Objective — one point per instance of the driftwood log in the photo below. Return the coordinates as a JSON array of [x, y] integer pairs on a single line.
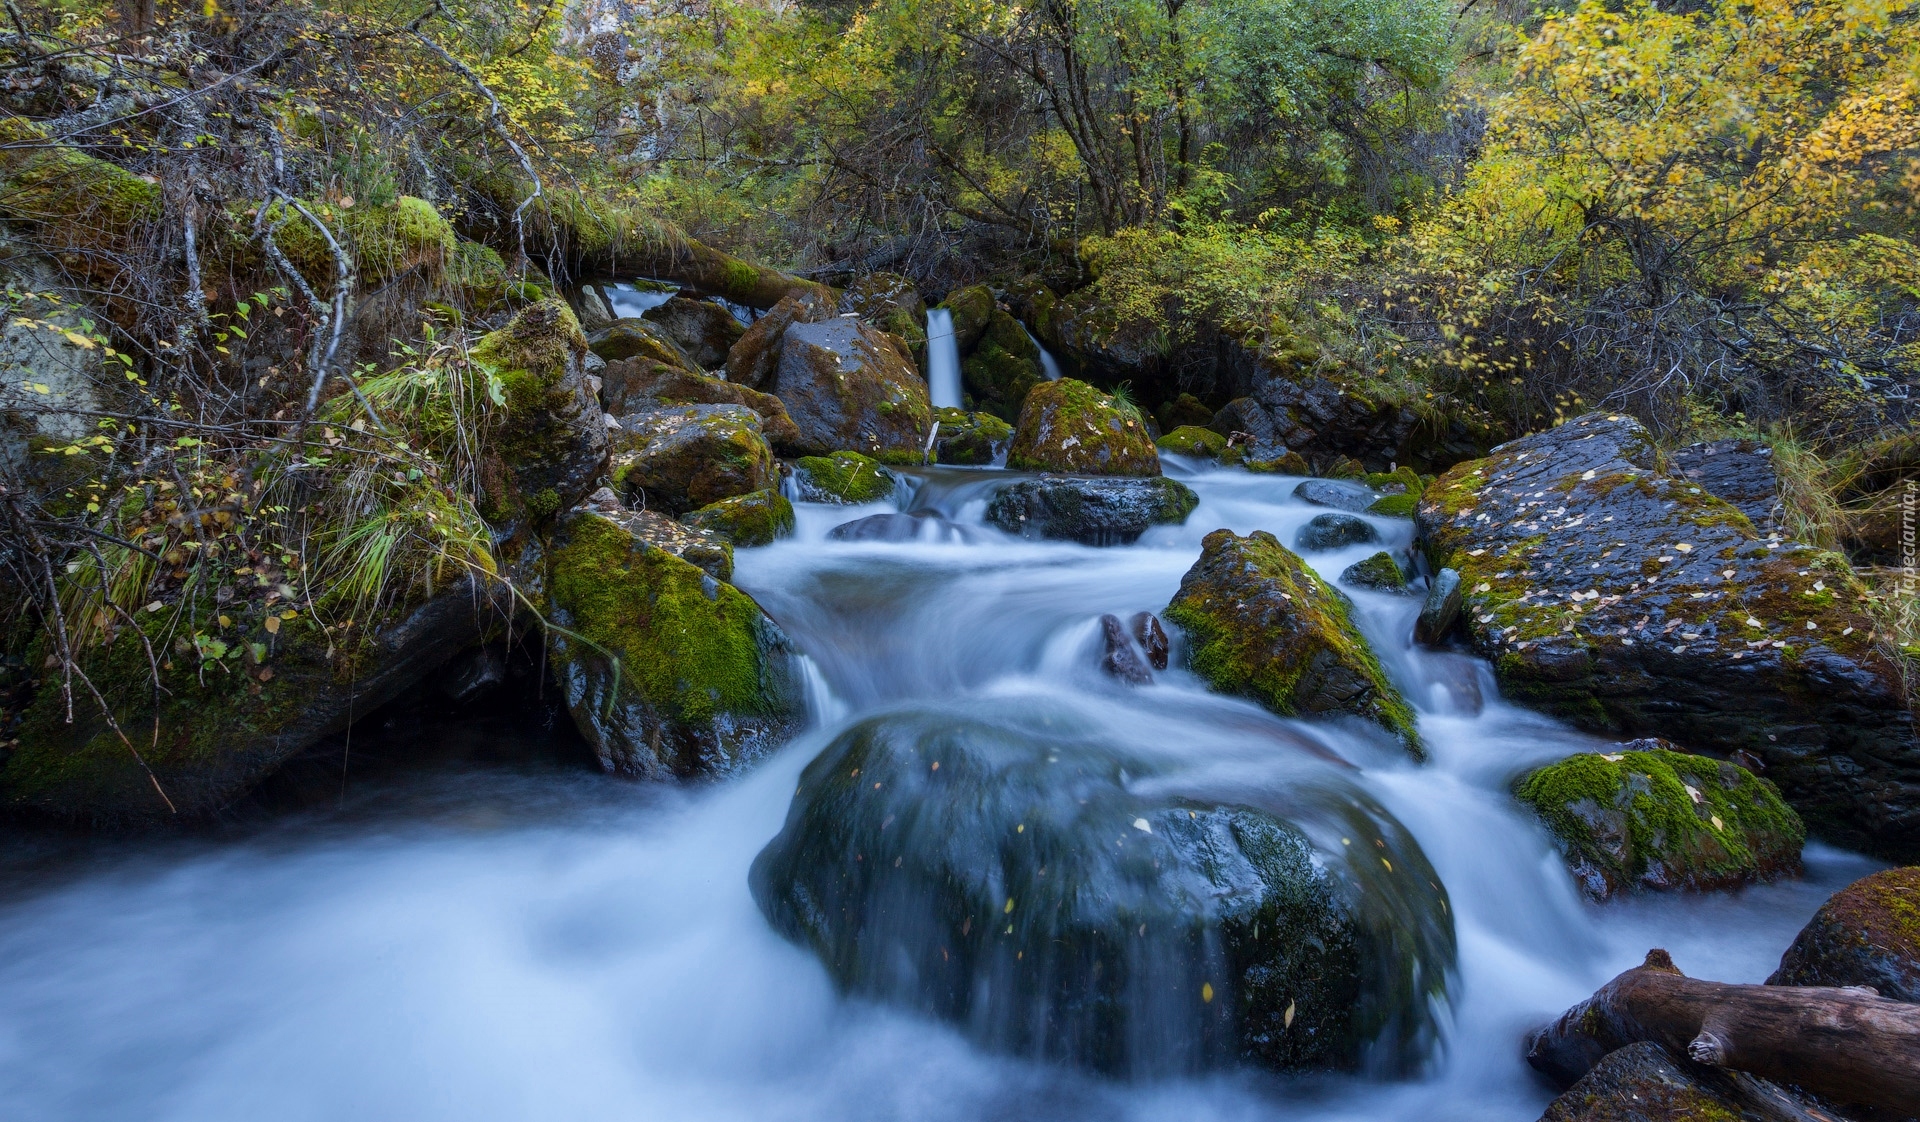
[[1848, 1045]]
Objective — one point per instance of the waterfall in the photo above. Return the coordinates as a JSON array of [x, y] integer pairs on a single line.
[[1048, 365], [943, 360]]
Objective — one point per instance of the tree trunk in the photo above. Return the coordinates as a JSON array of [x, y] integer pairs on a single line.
[[1849, 1045]]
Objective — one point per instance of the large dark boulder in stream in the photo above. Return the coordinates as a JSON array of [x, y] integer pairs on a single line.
[[704, 330], [847, 385], [1264, 626], [1646, 817], [1335, 531], [891, 303], [1608, 592], [1060, 901], [1866, 934], [1072, 427], [1090, 511], [1354, 498], [680, 458], [1379, 572], [667, 670], [754, 356]]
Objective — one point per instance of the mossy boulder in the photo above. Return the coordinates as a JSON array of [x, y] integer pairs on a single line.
[[1183, 411], [1633, 602], [1059, 900], [1648, 817], [1643, 1082], [755, 356], [637, 385], [74, 203], [406, 235], [550, 448], [1090, 511], [1379, 572], [710, 552], [972, 310], [666, 670], [746, 520], [969, 438], [704, 330], [1192, 440], [683, 457], [1866, 934], [892, 304], [1070, 426], [1002, 366], [1262, 625], [633, 337], [847, 385], [843, 477], [1395, 506]]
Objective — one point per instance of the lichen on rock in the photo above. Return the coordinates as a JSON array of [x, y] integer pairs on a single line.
[[1380, 572], [1648, 817], [683, 457], [1192, 440], [1866, 934], [1070, 426], [1262, 625], [843, 477], [847, 385], [752, 519]]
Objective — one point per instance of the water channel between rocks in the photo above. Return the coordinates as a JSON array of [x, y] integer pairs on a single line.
[[511, 943]]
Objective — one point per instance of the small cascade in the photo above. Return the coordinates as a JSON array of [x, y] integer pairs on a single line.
[[943, 360], [1048, 365]]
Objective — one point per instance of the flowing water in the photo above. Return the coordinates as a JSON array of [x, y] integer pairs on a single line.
[[943, 360], [537, 942]]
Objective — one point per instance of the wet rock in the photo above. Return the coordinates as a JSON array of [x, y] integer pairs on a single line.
[[1262, 625], [1244, 422], [972, 310], [1738, 471], [683, 457], [756, 518], [1866, 934], [704, 330], [1089, 511], [471, 675], [1184, 411], [1152, 638], [921, 525], [1336, 531], [1646, 1083], [1016, 877], [754, 357], [969, 438], [552, 446], [847, 385], [1629, 601], [709, 552], [1379, 572], [1122, 659], [1395, 506], [1002, 367], [704, 681], [1441, 610], [636, 385], [1190, 440], [637, 338], [1351, 497], [1070, 426], [892, 304], [843, 477], [1648, 817]]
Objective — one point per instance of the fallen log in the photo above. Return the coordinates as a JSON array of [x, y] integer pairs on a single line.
[[1849, 1045]]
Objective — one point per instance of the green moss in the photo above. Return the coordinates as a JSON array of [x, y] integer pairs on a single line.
[[1379, 571], [1192, 440], [1640, 817], [746, 520], [544, 504], [1396, 506], [384, 241], [1003, 368], [1293, 463], [83, 203], [847, 477], [969, 438], [1070, 426], [689, 646]]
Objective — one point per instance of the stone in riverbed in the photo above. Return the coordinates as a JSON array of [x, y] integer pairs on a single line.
[[1647, 817], [848, 385], [1441, 610], [636, 338], [1336, 531], [636, 385], [710, 553], [1122, 659], [1739, 471], [1605, 591], [754, 357], [921, 525], [552, 445], [1866, 934], [1262, 625], [1090, 511], [969, 438], [1002, 367], [1350, 497], [1644, 1082], [756, 518], [1379, 572], [1014, 876], [1192, 440], [843, 477], [1070, 426], [1152, 638], [703, 329], [684, 457]]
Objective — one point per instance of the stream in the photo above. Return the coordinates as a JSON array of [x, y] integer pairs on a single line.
[[534, 941]]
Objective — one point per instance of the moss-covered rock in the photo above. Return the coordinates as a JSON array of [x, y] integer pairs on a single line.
[[682, 457], [552, 444], [704, 330], [1090, 511], [1644, 1082], [843, 477], [847, 385], [1648, 817], [1072, 427], [403, 236], [633, 337], [892, 304], [969, 438], [1183, 411], [1192, 440], [74, 203], [1379, 572], [754, 357], [638, 385], [1002, 366], [746, 520], [1441, 611], [1395, 506], [1262, 625], [1059, 901], [1866, 934], [972, 310], [666, 670], [1608, 592]]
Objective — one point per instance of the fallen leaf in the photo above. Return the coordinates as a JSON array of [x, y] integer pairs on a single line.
[[273, 625]]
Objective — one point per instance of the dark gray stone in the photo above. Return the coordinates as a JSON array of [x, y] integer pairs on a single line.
[[1108, 511], [1333, 531]]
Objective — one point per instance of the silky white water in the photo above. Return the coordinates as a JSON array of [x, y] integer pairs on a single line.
[[943, 360], [529, 943]]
